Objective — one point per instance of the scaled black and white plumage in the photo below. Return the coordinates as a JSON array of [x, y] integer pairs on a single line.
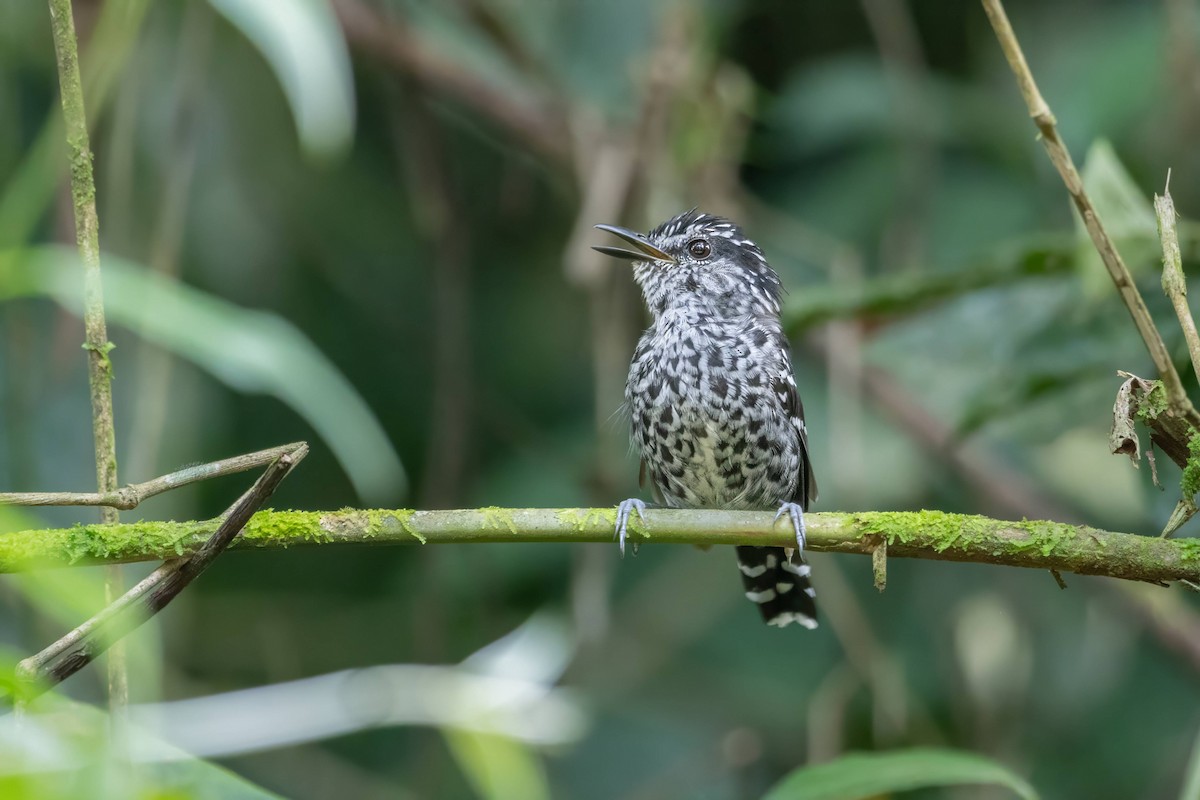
[[716, 415]]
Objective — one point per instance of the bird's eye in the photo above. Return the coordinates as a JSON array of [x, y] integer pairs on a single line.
[[698, 248]]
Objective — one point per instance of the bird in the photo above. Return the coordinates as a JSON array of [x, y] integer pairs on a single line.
[[715, 413]]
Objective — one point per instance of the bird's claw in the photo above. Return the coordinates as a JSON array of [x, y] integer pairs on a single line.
[[623, 511], [796, 514]]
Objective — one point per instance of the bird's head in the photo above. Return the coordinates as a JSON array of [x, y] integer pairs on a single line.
[[697, 259]]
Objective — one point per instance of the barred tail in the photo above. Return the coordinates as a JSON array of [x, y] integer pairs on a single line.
[[780, 588]]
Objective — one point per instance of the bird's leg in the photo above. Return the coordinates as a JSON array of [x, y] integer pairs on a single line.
[[796, 514], [623, 511]]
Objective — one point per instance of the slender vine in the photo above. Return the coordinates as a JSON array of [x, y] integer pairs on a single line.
[[97, 345]]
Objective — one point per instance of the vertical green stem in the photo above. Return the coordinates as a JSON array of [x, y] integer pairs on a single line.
[[87, 236]]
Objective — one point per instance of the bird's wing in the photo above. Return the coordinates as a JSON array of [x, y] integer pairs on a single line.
[[789, 398]]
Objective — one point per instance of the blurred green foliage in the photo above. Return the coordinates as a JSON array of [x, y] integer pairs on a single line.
[[870, 775], [370, 255]]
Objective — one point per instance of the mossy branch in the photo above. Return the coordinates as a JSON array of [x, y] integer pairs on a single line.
[[923, 534]]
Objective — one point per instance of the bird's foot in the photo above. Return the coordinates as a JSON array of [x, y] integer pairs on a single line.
[[796, 514], [623, 511]]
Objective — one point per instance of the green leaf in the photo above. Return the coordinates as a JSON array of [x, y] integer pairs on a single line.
[[302, 42], [196, 779], [63, 749], [864, 775], [1127, 214], [251, 351], [498, 767], [1191, 781]]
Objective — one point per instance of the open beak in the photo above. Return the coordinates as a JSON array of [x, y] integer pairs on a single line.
[[644, 250]]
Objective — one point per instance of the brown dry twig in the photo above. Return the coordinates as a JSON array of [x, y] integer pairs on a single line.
[[80, 647], [1174, 285], [129, 497]]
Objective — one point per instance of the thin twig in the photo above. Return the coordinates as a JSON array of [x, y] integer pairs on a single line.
[[87, 236], [529, 119], [510, 41], [129, 497], [1173, 282], [926, 534], [897, 709], [1061, 158], [80, 647]]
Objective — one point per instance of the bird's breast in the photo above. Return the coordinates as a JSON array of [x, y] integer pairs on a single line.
[[705, 419]]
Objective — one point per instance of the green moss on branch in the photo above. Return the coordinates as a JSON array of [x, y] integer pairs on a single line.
[[918, 534]]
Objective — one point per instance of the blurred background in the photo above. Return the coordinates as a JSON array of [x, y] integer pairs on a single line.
[[365, 223]]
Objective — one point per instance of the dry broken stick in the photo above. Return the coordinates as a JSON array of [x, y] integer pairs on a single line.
[[1174, 283], [879, 565], [1145, 401], [1140, 400], [129, 497], [80, 647]]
